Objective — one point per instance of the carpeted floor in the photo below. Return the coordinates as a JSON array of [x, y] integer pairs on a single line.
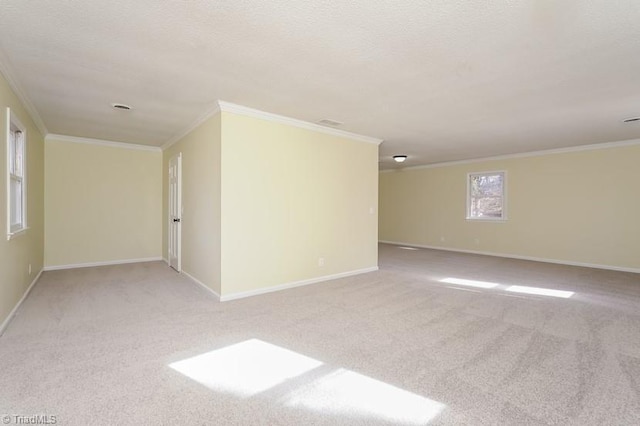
[[140, 344]]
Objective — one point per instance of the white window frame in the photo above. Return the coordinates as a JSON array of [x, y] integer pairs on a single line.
[[13, 126], [502, 218]]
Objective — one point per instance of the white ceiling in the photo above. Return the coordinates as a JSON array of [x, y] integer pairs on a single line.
[[438, 80]]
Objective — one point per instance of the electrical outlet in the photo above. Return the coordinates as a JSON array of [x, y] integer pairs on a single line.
[[477, 241], [29, 269], [442, 239], [321, 261]]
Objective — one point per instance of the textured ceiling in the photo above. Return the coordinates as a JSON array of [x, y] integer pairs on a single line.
[[437, 80]]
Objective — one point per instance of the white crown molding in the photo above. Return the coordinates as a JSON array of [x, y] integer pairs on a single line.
[[212, 112], [518, 257], [107, 263], [591, 147], [254, 113], [5, 70], [52, 137]]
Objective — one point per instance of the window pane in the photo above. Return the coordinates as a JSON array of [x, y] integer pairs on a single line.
[[486, 195], [12, 152], [16, 191], [487, 185], [487, 207], [15, 186], [19, 153]]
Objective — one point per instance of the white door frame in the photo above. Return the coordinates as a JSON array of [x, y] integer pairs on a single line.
[[174, 236]]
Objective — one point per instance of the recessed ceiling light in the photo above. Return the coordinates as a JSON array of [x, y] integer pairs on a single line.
[[329, 122], [631, 120], [121, 107], [399, 158]]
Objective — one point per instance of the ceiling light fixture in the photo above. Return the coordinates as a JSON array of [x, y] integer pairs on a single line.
[[631, 120], [121, 106], [399, 158]]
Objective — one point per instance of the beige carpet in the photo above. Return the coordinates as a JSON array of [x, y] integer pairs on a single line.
[[140, 344]]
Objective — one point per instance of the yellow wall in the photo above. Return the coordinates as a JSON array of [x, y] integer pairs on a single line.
[[264, 201], [577, 207], [102, 203], [290, 196], [200, 200], [17, 254]]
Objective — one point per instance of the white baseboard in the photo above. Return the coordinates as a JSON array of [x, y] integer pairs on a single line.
[[107, 263], [285, 286], [516, 256], [9, 317], [200, 283]]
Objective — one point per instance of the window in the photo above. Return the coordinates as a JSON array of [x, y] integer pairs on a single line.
[[16, 176], [486, 196]]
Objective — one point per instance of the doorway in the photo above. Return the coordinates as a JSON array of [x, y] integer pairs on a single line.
[[175, 212]]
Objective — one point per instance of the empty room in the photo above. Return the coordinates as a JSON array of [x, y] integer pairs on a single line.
[[289, 213]]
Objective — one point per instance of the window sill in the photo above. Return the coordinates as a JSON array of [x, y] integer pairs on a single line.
[[16, 234], [475, 219]]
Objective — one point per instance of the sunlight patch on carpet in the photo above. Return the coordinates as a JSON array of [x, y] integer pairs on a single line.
[[251, 367], [347, 394], [540, 291], [246, 368], [470, 283]]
